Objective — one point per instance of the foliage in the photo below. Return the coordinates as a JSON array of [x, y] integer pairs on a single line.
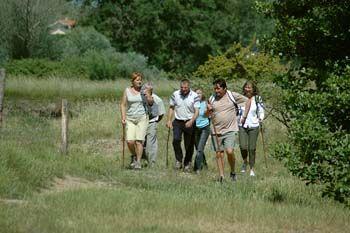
[[314, 97], [93, 64], [176, 35], [3, 56], [240, 62], [312, 31], [24, 25], [36, 67], [318, 149], [79, 41]]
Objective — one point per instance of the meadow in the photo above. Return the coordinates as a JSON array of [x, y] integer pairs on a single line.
[[89, 191]]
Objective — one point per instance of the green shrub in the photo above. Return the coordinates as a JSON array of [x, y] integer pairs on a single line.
[[100, 65], [93, 64], [3, 55], [240, 62], [79, 41], [318, 148], [35, 67]]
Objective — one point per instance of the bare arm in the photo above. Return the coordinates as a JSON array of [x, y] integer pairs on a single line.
[[149, 97], [193, 119], [170, 117]]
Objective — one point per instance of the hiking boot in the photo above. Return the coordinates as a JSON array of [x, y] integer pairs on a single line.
[[233, 176], [244, 168], [178, 165], [252, 173]]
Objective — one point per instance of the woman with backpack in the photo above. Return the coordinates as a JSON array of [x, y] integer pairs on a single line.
[[251, 116]]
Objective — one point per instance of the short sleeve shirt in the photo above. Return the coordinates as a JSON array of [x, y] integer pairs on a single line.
[[161, 108], [184, 106], [224, 119]]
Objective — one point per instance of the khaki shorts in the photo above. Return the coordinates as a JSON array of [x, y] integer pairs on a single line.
[[228, 140], [136, 128]]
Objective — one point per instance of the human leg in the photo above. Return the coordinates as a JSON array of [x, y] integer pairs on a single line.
[[220, 163], [252, 138], [243, 144], [189, 145], [152, 142], [229, 141], [177, 134], [202, 140], [140, 134], [130, 137]]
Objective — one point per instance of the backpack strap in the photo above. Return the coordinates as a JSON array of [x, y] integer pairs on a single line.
[[211, 99], [230, 95], [259, 103]]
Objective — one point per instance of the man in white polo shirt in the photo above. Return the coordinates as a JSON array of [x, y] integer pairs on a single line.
[[184, 104]]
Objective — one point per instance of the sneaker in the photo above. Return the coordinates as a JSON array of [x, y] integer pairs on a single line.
[[187, 168], [178, 165], [137, 165], [132, 165], [233, 176], [244, 168], [252, 173], [220, 180], [152, 164], [133, 161]]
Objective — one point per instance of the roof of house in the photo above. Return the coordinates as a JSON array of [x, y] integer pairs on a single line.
[[70, 23]]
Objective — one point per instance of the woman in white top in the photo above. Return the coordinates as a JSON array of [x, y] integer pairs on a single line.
[[251, 115], [134, 116]]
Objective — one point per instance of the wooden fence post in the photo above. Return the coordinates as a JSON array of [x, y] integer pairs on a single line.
[[64, 145], [2, 92]]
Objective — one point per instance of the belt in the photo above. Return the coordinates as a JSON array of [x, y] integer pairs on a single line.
[[182, 120]]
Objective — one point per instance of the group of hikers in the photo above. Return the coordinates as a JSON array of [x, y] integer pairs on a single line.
[[232, 120]]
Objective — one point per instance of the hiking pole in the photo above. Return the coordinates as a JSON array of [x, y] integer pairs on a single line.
[[263, 143], [214, 128], [216, 134], [167, 149], [123, 153]]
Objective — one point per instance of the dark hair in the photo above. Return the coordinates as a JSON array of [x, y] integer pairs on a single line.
[[221, 82], [253, 84]]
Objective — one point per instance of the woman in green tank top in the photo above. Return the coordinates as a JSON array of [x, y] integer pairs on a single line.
[[134, 117]]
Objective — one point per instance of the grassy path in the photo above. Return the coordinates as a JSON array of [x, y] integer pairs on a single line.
[[87, 191]]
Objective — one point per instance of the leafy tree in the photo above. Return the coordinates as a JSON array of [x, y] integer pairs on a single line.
[[315, 97], [24, 25], [240, 62], [175, 34]]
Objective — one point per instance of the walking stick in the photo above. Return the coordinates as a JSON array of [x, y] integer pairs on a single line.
[[263, 143], [123, 153], [215, 132], [167, 149]]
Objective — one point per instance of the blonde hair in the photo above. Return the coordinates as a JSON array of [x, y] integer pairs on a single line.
[[135, 75]]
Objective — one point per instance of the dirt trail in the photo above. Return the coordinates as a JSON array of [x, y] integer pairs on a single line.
[[74, 183]]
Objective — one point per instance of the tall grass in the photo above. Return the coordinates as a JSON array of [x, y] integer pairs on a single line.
[[54, 88], [150, 200]]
